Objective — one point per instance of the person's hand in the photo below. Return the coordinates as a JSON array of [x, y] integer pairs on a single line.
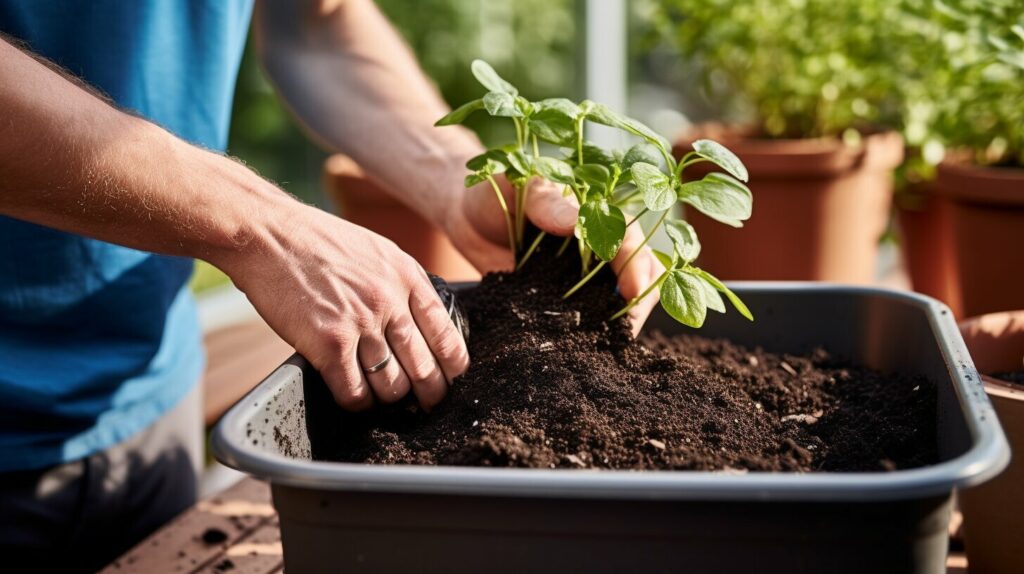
[[476, 227], [347, 299]]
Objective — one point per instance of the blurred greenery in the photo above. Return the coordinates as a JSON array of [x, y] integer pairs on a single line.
[[947, 74], [530, 42]]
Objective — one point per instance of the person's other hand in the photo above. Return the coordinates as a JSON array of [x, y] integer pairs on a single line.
[[476, 226], [347, 299]]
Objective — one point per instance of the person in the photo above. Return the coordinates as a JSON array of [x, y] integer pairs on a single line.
[[113, 117]]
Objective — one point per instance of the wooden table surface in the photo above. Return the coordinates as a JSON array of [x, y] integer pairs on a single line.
[[236, 531]]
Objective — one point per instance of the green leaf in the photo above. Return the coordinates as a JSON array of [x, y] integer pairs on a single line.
[[459, 114], [733, 298], [474, 178], [669, 261], [655, 186], [491, 161], [720, 197], [602, 226], [711, 295], [722, 157], [643, 152], [502, 105], [520, 162], [554, 170], [554, 120], [683, 298], [592, 153], [602, 114], [593, 174], [490, 79], [684, 239]]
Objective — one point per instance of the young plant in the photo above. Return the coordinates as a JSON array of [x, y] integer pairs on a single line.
[[614, 189]]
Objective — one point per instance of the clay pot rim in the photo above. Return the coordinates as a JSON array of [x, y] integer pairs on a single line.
[[817, 156], [998, 324], [964, 181]]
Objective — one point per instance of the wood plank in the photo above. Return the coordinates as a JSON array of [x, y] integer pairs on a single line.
[[201, 534], [238, 358], [257, 553]]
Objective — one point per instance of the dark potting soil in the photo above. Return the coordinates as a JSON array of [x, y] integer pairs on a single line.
[[553, 384], [1011, 377]]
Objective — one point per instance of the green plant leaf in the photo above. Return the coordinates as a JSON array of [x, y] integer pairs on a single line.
[[595, 175], [642, 152], [720, 197], [592, 153], [733, 298], [655, 186], [711, 295], [669, 261], [722, 157], [683, 298], [520, 162], [554, 120], [602, 114], [684, 239], [554, 170], [474, 178], [491, 161], [459, 114], [502, 105], [602, 226], [490, 79]]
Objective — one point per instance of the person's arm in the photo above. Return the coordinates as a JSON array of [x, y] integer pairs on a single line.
[[336, 292], [352, 82]]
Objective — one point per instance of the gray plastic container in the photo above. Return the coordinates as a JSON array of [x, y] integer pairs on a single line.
[[350, 517]]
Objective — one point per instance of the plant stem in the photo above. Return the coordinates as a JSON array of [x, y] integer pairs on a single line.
[[529, 252], [565, 245], [600, 265], [632, 302], [508, 216], [583, 281], [685, 164], [536, 146], [520, 214], [519, 132], [579, 141], [647, 238]]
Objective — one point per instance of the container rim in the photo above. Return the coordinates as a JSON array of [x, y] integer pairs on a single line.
[[988, 455]]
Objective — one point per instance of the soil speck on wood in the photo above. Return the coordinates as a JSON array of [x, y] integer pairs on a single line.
[[214, 536], [553, 385]]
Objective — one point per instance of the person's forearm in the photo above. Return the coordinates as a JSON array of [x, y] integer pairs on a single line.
[[70, 161], [351, 80]]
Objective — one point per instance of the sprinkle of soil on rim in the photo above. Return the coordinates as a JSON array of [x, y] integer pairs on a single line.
[[552, 385]]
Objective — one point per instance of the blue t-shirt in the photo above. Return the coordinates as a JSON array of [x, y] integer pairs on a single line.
[[97, 341]]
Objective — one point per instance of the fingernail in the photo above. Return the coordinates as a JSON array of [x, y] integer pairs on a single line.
[[565, 215]]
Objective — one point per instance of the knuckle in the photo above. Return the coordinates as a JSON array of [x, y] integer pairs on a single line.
[[448, 345], [423, 370]]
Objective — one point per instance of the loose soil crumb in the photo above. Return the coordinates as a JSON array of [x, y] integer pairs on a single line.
[[214, 536], [553, 385]]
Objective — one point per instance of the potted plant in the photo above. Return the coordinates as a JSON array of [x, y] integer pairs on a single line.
[[811, 110], [981, 120], [994, 513], [568, 445]]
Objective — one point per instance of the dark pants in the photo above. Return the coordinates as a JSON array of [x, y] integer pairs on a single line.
[[79, 516]]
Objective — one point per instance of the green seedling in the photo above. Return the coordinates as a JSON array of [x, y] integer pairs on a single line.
[[614, 189]]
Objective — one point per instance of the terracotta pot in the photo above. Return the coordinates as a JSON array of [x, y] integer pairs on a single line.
[[987, 217], [363, 202], [820, 207], [927, 244], [994, 511]]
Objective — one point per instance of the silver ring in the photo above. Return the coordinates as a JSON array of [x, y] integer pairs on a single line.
[[379, 366]]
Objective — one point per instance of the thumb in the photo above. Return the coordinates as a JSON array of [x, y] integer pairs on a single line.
[[549, 208]]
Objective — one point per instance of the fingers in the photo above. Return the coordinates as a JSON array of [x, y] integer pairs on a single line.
[[643, 270], [417, 360], [549, 208], [442, 337], [346, 381], [389, 383]]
